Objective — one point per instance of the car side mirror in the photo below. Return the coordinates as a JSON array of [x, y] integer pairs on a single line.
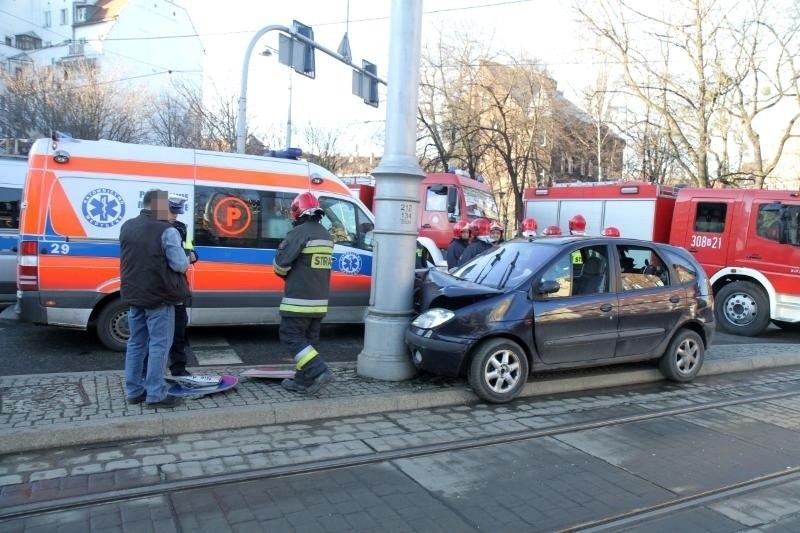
[[548, 286]]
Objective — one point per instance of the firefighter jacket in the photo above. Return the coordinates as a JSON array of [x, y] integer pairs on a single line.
[[475, 248], [304, 260]]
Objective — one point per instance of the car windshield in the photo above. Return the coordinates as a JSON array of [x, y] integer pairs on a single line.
[[507, 265]]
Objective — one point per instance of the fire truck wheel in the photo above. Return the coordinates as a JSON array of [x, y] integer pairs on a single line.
[[787, 326], [742, 308], [112, 326], [684, 356], [499, 370]]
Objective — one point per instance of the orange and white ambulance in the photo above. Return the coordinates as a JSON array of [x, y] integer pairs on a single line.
[[78, 193]]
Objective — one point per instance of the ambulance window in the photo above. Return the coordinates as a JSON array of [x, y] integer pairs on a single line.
[[347, 223], [9, 208], [710, 217], [240, 218]]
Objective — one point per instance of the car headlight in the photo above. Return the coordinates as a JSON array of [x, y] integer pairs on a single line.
[[433, 318]]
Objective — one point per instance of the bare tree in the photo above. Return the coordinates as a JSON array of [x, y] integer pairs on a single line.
[[322, 143], [71, 97]]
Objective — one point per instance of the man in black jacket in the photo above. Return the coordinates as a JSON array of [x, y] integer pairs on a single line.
[[152, 266], [304, 260]]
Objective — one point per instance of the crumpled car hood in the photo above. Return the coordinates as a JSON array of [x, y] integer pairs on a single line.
[[441, 286]]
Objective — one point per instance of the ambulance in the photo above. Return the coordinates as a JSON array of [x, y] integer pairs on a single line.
[[78, 193], [747, 240], [12, 176]]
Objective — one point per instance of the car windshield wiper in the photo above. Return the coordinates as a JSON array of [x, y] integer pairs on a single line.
[[495, 259], [507, 273]]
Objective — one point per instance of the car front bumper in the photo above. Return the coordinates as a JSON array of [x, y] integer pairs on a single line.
[[437, 355]]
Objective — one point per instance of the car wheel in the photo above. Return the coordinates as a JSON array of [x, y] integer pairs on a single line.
[[498, 371], [112, 326], [684, 356], [787, 326], [742, 308]]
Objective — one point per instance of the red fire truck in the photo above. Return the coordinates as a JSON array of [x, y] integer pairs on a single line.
[[444, 199], [748, 241]]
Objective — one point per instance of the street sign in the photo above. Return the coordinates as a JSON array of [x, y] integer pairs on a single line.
[[296, 53], [364, 85]]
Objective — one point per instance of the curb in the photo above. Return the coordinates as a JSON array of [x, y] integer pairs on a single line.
[[169, 424]]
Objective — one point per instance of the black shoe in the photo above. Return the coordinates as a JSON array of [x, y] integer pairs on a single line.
[[180, 373], [136, 400], [169, 401], [295, 385]]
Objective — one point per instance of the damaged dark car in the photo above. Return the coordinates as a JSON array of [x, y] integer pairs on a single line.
[[552, 303]]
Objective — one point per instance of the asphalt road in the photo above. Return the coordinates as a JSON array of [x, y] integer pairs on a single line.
[[32, 349]]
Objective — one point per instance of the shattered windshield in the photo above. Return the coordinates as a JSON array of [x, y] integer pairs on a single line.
[[507, 265]]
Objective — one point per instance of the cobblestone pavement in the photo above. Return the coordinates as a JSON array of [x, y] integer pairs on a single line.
[[47, 410], [596, 468]]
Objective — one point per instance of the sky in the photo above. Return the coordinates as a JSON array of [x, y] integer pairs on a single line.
[[540, 28]]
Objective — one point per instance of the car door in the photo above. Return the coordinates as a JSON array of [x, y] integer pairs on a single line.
[[579, 322], [651, 302]]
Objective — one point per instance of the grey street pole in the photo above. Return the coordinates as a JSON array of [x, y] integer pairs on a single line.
[[289, 118], [241, 120], [396, 206]]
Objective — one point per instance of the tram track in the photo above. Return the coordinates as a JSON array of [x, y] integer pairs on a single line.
[[168, 487]]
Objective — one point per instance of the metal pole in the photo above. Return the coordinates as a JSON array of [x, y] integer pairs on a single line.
[[289, 118], [396, 207], [241, 119]]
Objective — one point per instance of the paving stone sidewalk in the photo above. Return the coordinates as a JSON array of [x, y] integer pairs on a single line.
[[49, 410]]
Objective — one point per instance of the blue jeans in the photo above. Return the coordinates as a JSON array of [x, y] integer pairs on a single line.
[[151, 332]]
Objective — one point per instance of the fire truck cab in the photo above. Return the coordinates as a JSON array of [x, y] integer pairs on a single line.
[[746, 240], [445, 198]]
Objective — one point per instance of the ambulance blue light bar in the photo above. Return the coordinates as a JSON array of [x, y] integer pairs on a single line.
[[288, 153]]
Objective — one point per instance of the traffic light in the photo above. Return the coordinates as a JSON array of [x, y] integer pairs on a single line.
[[364, 85]]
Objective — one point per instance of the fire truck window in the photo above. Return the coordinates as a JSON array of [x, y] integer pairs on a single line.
[[436, 198], [9, 208], [775, 218], [710, 217], [641, 268]]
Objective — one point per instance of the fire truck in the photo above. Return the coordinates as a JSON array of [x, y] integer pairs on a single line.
[[748, 241], [445, 198]]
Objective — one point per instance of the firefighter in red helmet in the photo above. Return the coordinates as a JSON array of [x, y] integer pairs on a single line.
[[529, 227], [481, 240], [611, 231], [551, 230], [461, 235], [304, 260], [496, 233], [577, 225]]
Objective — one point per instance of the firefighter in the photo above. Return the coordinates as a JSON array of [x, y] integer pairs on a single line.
[[303, 260], [611, 231], [551, 230], [461, 235], [529, 227], [481, 240], [177, 352], [496, 231], [577, 225]]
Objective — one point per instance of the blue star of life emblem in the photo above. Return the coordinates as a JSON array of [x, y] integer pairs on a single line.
[[103, 207], [350, 263]]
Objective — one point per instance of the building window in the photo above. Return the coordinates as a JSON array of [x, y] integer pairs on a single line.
[[64, 20], [47, 20], [81, 13]]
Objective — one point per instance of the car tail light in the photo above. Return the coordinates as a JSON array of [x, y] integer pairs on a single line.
[[28, 266]]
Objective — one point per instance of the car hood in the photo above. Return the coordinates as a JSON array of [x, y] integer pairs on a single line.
[[439, 289]]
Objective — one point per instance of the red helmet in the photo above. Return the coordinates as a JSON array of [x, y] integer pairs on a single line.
[[305, 204], [577, 225], [611, 231], [480, 227], [459, 227], [552, 230], [529, 227]]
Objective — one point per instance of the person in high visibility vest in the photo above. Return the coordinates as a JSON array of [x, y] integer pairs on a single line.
[[303, 260], [177, 351]]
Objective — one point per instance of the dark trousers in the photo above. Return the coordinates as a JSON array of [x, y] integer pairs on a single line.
[[177, 352], [297, 332]]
